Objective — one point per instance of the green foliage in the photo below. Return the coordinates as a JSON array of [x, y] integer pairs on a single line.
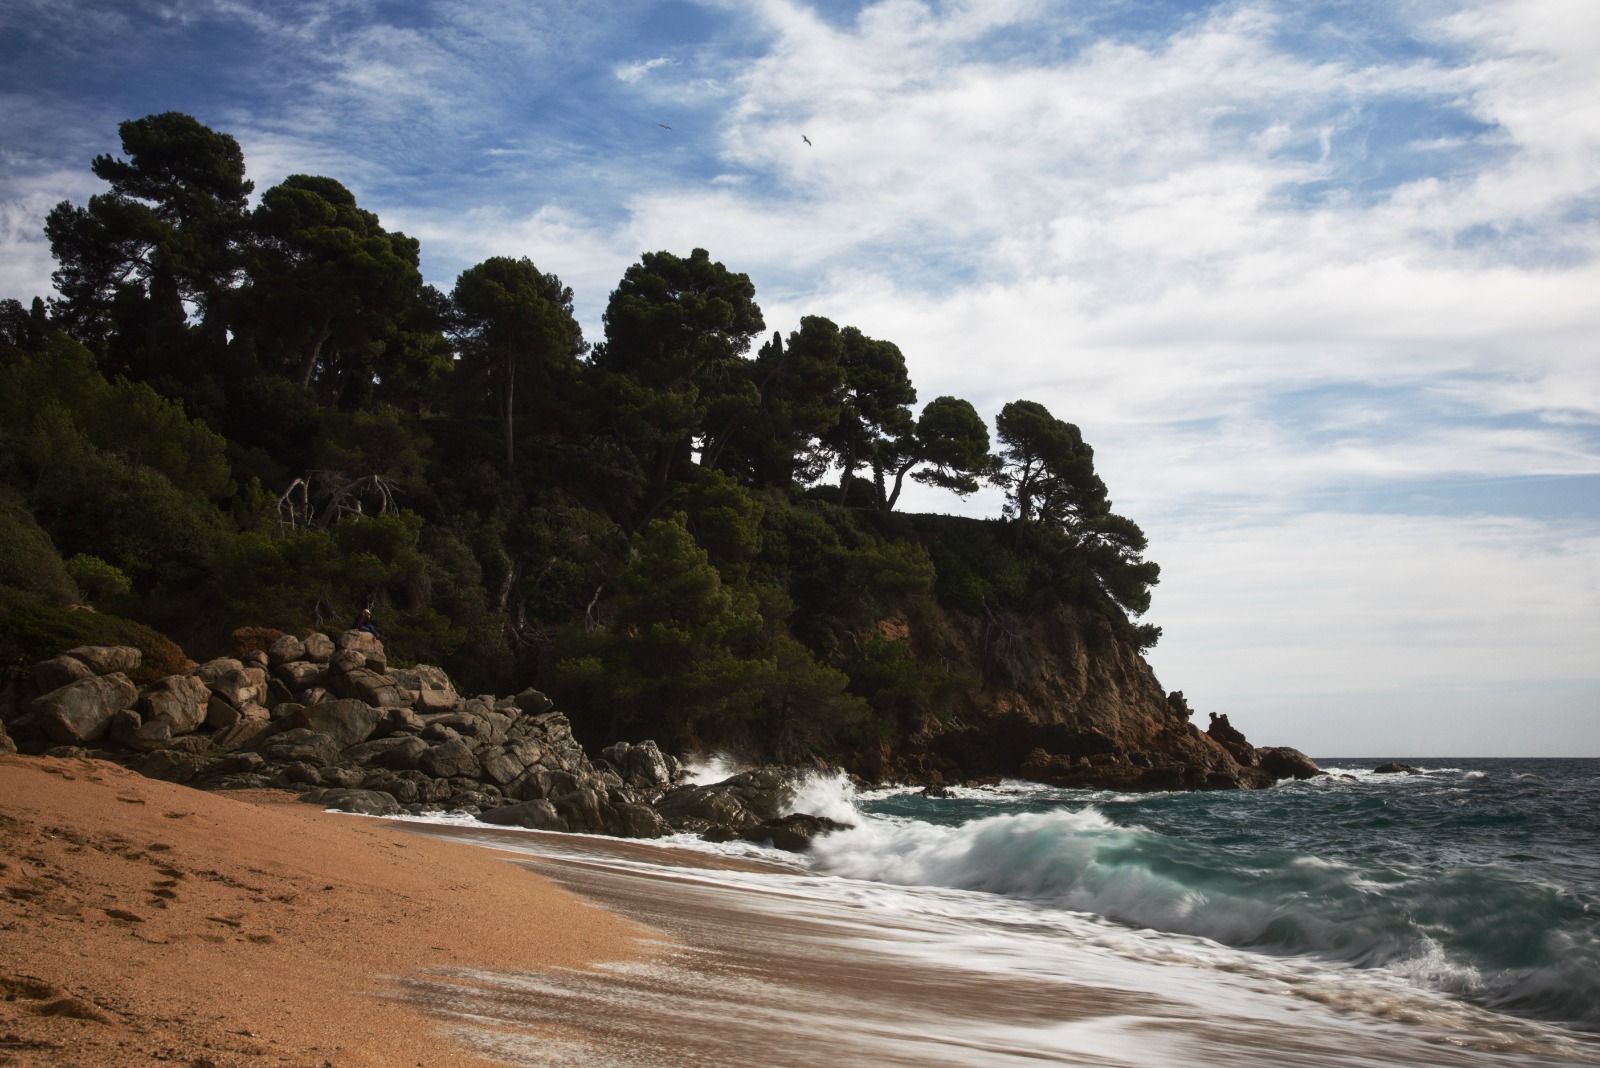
[[643, 531], [97, 580], [31, 630], [30, 562]]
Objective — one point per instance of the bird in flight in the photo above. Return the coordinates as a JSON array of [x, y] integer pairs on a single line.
[[806, 139], [663, 125]]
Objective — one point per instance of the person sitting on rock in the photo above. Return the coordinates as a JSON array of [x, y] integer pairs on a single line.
[[364, 622]]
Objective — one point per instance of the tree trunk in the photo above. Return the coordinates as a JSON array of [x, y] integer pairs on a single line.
[[507, 405], [308, 366], [849, 470], [899, 480]]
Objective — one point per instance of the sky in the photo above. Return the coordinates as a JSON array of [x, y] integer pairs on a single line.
[[1319, 281]]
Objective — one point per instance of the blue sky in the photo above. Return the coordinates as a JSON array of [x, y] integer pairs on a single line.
[[1319, 281]]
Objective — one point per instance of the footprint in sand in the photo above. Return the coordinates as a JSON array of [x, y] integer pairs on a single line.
[[50, 1000]]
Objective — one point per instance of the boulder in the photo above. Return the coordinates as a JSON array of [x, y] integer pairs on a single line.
[[107, 659], [500, 767], [397, 753], [364, 802], [792, 833], [180, 700], [1394, 767], [212, 670], [347, 721], [6, 744], [399, 721], [532, 702], [642, 766], [377, 690], [301, 745], [347, 660], [300, 675], [368, 645], [318, 647], [286, 649], [435, 692], [636, 821], [81, 711], [741, 801], [253, 725], [448, 760], [255, 658], [538, 815], [1282, 762], [584, 809], [56, 672]]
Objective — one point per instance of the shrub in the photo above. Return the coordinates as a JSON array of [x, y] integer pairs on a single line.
[[31, 630]]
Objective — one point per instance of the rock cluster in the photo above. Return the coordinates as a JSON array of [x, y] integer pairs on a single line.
[[332, 720]]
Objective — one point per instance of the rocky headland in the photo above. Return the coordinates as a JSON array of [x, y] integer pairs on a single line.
[[329, 718]]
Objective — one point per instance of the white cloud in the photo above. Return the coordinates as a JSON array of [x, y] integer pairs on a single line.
[[631, 73]]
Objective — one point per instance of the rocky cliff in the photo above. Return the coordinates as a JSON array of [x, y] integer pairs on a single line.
[[1059, 700], [1058, 697]]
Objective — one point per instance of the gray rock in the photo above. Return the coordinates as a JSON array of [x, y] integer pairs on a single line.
[[316, 696], [377, 690], [449, 759], [435, 692], [364, 802], [642, 766], [347, 660], [212, 670], [584, 809], [299, 773], [301, 745], [255, 658], [236, 764], [397, 752], [249, 731], [541, 782], [399, 721], [108, 659], [286, 649], [6, 744], [1282, 762], [368, 645], [81, 711], [501, 767], [637, 821], [300, 675], [340, 776], [539, 815], [179, 699], [348, 721], [1394, 767], [318, 648], [56, 672], [533, 702], [792, 833]]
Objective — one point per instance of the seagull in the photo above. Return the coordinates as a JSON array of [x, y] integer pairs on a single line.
[[806, 139], [663, 125]]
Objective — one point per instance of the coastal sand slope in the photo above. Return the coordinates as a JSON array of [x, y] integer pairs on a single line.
[[142, 922]]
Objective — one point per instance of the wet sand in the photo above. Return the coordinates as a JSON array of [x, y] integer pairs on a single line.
[[761, 967], [145, 923]]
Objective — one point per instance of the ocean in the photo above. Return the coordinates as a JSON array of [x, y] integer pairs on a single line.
[[1450, 917]]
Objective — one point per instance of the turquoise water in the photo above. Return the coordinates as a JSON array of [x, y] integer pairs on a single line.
[[1477, 878]]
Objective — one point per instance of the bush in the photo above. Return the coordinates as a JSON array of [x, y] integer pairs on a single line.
[[96, 579], [30, 561], [32, 630]]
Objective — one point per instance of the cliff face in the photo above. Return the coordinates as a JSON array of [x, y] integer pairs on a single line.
[[1056, 696]]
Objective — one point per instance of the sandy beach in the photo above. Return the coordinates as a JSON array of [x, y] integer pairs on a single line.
[[142, 923]]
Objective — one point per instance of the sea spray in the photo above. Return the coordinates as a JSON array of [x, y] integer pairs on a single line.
[[1399, 873]]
